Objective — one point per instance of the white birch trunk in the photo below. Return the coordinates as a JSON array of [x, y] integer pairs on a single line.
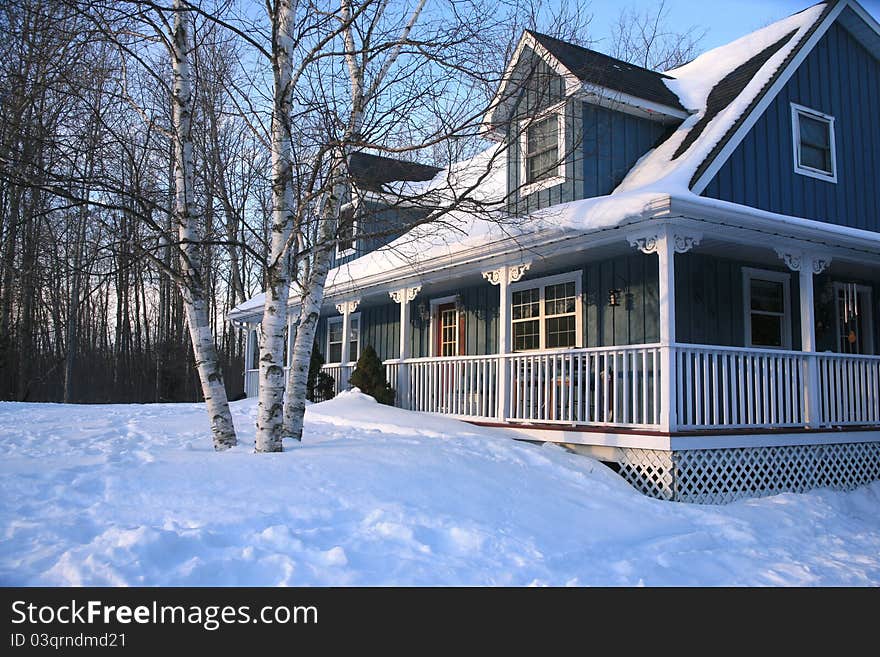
[[310, 311], [271, 365], [193, 289], [339, 184]]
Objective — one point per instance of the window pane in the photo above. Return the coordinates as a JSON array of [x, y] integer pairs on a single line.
[[815, 132], [766, 330], [354, 339], [334, 352], [559, 299], [561, 332], [767, 296], [525, 303], [543, 165], [542, 134], [335, 330], [815, 143], [526, 335], [816, 158]]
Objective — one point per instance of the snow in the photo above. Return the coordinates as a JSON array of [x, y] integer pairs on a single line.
[[134, 495], [657, 170]]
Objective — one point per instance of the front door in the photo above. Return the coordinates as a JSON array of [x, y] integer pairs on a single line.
[[447, 340]]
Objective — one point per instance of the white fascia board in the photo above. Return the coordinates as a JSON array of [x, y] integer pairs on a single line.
[[629, 104], [768, 98], [743, 217]]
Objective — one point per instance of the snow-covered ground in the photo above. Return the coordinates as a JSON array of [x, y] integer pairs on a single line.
[[133, 495]]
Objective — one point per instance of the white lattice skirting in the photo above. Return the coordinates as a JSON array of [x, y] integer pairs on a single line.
[[718, 476]]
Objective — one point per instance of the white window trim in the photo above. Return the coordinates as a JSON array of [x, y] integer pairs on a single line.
[[435, 309], [559, 178], [748, 273], [796, 111], [869, 315], [355, 229], [541, 283], [338, 320]]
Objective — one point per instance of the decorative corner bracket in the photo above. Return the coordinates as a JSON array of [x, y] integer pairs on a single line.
[[514, 273], [682, 240], [347, 306], [801, 261], [405, 295]]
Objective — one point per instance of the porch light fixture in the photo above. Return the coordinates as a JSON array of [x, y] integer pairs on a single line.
[[614, 295]]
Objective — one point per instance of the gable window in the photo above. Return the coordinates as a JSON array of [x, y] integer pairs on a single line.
[[767, 308], [542, 144], [346, 233], [545, 314], [814, 150], [335, 338]]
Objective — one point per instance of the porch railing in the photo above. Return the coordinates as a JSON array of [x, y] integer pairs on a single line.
[[729, 387], [713, 387], [849, 389], [338, 371], [605, 386]]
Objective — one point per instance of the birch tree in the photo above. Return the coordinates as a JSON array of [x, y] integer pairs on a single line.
[[193, 287]]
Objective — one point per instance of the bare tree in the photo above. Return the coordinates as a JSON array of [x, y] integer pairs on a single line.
[[647, 39]]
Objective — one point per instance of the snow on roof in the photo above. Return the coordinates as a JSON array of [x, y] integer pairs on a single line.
[[694, 83], [719, 87]]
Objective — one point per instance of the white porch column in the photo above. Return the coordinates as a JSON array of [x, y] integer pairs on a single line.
[[346, 308], [403, 297], [807, 265], [503, 277], [666, 241]]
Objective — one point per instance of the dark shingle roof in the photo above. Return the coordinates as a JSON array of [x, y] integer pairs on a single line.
[[371, 172], [707, 162], [596, 68], [728, 88]]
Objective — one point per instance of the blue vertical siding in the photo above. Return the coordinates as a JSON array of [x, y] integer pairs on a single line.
[[841, 78], [709, 300]]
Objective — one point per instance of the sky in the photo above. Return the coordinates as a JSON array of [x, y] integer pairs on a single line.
[[724, 20]]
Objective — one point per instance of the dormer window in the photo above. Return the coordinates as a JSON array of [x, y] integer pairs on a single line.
[[346, 233], [542, 144], [814, 153]]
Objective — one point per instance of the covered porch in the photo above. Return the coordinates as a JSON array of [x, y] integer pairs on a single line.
[[667, 326]]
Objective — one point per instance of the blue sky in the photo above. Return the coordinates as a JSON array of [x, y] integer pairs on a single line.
[[725, 20]]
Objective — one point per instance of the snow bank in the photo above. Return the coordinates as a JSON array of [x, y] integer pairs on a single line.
[[134, 495]]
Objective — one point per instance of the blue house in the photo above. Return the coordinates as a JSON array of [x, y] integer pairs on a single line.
[[688, 283]]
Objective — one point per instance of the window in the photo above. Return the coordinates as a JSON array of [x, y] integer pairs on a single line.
[[767, 309], [346, 233], [543, 151], [545, 314], [814, 151], [335, 338]]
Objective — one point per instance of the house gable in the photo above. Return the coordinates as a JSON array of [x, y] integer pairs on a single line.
[[839, 77]]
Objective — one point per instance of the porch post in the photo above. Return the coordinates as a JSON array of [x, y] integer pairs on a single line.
[[503, 277], [247, 357], [807, 265], [403, 297], [346, 308], [666, 241]]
